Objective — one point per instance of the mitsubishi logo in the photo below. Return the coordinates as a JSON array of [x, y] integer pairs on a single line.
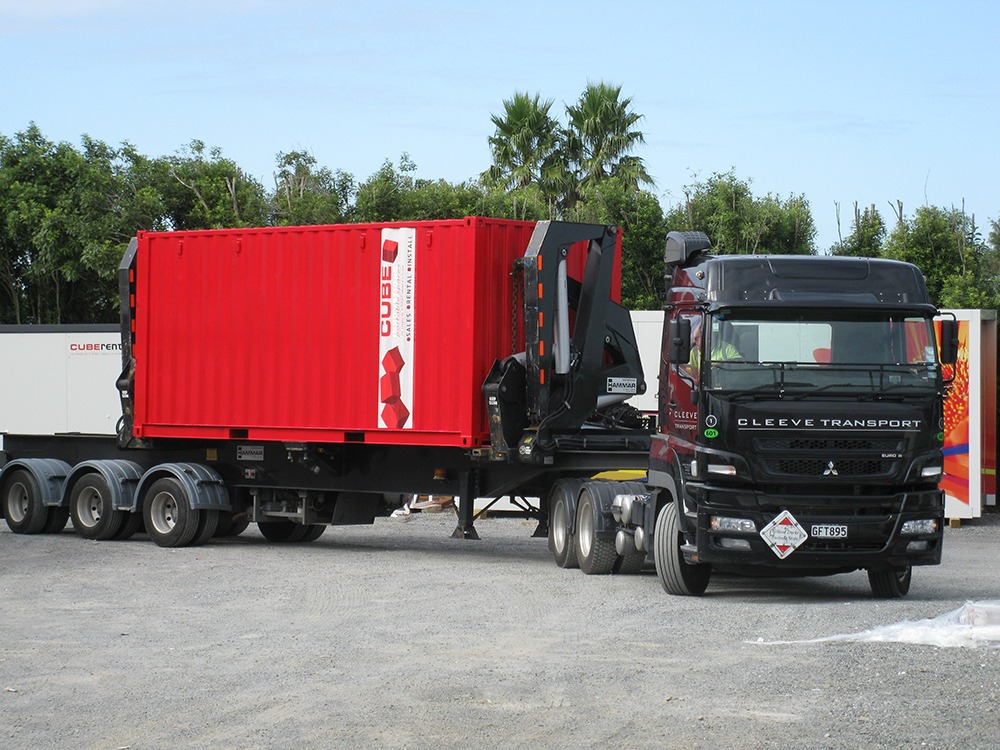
[[830, 470]]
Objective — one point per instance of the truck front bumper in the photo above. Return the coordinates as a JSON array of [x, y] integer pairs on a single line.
[[815, 534]]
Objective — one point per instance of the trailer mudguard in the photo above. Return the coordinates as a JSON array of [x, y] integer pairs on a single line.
[[122, 477], [49, 474], [203, 486]]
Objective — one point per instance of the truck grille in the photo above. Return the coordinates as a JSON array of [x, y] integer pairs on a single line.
[[819, 467], [829, 444]]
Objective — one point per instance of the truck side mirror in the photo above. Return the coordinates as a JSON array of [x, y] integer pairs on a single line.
[[949, 341], [679, 331]]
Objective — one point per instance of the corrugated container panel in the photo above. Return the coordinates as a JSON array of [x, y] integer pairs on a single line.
[[370, 333]]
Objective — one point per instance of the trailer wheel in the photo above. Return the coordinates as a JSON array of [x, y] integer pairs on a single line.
[[282, 530], [596, 555], [167, 513], [677, 576], [131, 525], [208, 522], [22, 504], [890, 584], [314, 532], [231, 524], [56, 521], [91, 509], [562, 543]]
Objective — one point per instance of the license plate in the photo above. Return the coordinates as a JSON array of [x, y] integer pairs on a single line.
[[828, 531]]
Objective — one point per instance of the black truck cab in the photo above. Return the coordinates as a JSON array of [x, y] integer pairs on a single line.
[[800, 418]]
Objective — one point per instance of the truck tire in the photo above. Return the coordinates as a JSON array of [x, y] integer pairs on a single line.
[[596, 555], [677, 576], [890, 584], [562, 543], [91, 509], [167, 514], [630, 563], [22, 504]]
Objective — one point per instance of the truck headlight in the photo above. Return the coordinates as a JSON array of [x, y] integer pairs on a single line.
[[920, 526], [723, 469], [930, 472], [733, 525]]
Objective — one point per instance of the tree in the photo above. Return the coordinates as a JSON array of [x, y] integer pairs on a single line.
[[641, 219], [525, 145], [959, 267], [203, 190], [307, 194], [63, 218], [601, 137], [725, 208], [866, 237], [380, 197]]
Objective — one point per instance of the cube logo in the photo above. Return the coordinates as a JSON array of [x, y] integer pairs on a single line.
[[396, 328]]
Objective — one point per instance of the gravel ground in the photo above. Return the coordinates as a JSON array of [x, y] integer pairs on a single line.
[[396, 636]]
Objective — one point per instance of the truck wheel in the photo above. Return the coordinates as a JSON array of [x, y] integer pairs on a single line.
[[22, 504], [282, 530], [167, 513], [890, 584], [561, 541], [91, 510], [678, 577], [597, 556], [630, 563]]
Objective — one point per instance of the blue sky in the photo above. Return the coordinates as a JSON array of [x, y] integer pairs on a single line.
[[843, 101]]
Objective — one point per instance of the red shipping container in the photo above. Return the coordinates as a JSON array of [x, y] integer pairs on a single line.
[[375, 333]]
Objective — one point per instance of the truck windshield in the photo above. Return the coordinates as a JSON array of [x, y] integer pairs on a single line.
[[851, 355]]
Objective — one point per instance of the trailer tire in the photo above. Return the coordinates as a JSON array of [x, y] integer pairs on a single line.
[[167, 513], [231, 524], [56, 522], [131, 525], [677, 576], [22, 504], [282, 531], [208, 522], [596, 555], [92, 510], [314, 532], [562, 542], [890, 584]]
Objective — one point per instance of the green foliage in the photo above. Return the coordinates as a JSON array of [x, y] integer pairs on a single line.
[[866, 238], [203, 190], [305, 193], [960, 268], [62, 228], [525, 145], [601, 137], [67, 213], [531, 150], [725, 208]]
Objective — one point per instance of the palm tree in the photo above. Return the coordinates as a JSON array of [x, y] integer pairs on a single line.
[[601, 136], [524, 143]]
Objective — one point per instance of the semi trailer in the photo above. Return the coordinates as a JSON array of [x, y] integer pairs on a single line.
[[302, 377]]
